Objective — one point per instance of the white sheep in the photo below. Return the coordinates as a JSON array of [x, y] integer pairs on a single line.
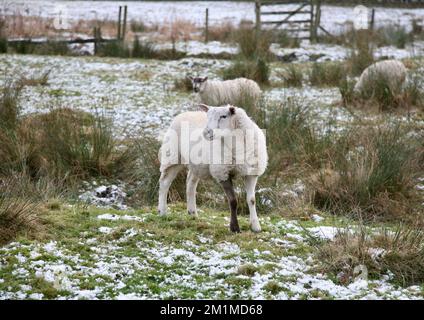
[[393, 72], [221, 142], [218, 93]]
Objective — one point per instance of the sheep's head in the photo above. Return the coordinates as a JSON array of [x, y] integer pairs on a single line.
[[198, 83], [220, 120]]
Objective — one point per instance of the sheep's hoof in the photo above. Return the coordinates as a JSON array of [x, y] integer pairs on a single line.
[[235, 228], [192, 213], [255, 228]]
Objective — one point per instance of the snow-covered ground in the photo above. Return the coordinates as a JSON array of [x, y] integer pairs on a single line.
[[136, 94], [123, 254], [333, 18], [306, 52], [125, 257]]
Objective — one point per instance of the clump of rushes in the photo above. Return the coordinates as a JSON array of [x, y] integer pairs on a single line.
[[257, 70], [183, 84], [251, 62], [369, 253], [362, 54], [292, 76], [137, 26], [374, 178], [327, 74], [116, 49], [392, 35], [19, 211], [61, 143], [252, 45], [284, 40], [144, 173]]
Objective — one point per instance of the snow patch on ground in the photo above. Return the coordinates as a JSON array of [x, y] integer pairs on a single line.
[[105, 196], [116, 217], [324, 232], [118, 275], [335, 19]]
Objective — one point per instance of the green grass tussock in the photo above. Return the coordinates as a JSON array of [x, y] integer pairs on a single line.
[[374, 252]]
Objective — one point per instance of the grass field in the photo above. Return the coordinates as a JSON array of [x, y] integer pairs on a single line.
[[341, 204], [91, 253]]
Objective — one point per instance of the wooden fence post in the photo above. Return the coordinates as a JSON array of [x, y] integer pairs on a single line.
[[371, 26], [317, 20], [95, 40], [124, 27], [118, 36], [258, 16], [311, 24], [207, 26]]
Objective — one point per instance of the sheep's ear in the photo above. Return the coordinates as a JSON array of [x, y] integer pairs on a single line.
[[204, 107], [205, 79], [232, 110]]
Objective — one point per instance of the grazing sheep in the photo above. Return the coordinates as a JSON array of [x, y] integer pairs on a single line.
[[196, 140], [393, 72], [219, 93]]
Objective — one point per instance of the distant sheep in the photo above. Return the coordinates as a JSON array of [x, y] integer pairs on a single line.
[[391, 71], [235, 92], [212, 129]]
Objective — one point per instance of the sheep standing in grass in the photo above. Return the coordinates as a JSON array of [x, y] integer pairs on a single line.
[[392, 72], [235, 92], [221, 142]]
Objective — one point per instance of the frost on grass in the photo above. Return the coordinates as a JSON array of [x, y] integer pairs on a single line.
[[139, 264], [135, 94], [115, 217], [324, 232]]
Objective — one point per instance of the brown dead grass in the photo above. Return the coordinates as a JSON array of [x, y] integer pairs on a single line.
[[223, 32], [399, 251], [19, 210], [177, 30], [21, 26]]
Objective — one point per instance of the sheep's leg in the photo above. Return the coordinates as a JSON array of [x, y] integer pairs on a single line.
[[250, 185], [232, 200], [192, 182], [166, 178]]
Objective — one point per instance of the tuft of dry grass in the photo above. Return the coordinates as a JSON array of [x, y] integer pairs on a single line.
[[19, 211], [292, 76], [284, 40], [223, 32], [257, 70], [247, 270], [392, 35], [9, 105], [138, 26], [252, 45], [399, 252], [362, 54], [366, 172], [33, 81], [61, 143], [371, 176], [177, 30], [328, 74], [143, 174], [183, 84], [143, 49]]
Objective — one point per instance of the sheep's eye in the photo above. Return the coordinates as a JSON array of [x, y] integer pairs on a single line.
[[223, 117]]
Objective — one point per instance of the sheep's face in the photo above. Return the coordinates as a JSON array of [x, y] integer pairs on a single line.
[[198, 83], [221, 118]]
